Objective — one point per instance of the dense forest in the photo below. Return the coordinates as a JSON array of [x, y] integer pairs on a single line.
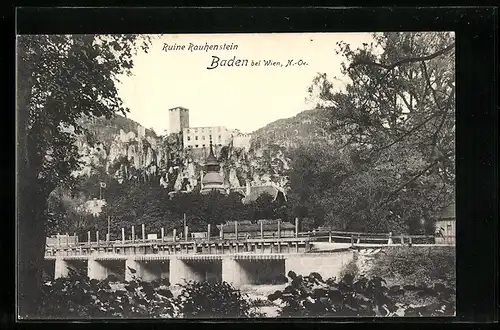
[[136, 203]]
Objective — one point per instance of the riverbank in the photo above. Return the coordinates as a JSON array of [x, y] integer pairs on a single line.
[[259, 294], [411, 265]]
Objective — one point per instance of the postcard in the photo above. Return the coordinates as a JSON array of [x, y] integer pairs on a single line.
[[257, 175]]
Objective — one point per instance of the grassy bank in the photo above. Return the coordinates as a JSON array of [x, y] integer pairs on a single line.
[[409, 267], [415, 265]]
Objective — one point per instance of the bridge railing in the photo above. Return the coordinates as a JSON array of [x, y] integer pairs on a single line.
[[320, 236], [182, 247], [370, 238], [217, 240], [351, 233]]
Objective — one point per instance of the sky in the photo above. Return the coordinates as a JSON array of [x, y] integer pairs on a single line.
[[241, 97]]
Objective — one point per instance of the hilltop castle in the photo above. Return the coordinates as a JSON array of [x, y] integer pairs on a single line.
[[209, 137], [199, 137]]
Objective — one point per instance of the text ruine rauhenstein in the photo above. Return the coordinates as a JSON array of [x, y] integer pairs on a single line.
[[198, 47]]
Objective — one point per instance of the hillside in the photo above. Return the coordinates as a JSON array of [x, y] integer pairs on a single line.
[[126, 151], [116, 141], [107, 128], [308, 126]]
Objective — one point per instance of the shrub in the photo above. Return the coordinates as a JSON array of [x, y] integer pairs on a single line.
[[313, 296], [79, 297], [258, 302], [208, 299], [350, 268], [417, 265]]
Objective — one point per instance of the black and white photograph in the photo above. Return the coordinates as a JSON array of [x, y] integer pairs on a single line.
[[237, 175]]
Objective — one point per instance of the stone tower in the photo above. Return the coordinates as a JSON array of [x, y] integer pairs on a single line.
[[178, 119]]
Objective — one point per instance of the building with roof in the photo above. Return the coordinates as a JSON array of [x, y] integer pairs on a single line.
[[212, 180], [261, 228], [199, 137], [446, 226]]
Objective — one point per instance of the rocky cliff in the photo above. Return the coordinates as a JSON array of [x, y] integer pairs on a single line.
[[125, 150]]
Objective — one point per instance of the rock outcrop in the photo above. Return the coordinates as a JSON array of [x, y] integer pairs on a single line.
[[125, 150]]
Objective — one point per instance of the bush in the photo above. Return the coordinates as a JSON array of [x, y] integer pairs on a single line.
[[416, 265], [258, 302], [313, 296], [79, 297], [350, 268], [208, 300]]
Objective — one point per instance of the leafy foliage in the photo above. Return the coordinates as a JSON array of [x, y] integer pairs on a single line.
[[133, 203], [79, 297], [417, 265], [258, 302], [219, 299], [60, 79], [65, 214], [314, 182], [393, 127], [313, 296]]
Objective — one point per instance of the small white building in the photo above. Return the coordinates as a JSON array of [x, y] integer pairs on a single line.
[[446, 226]]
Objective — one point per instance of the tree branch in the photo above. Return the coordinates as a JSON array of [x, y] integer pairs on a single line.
[[407, 133], [419, 174], [389, 67], [441, 110]]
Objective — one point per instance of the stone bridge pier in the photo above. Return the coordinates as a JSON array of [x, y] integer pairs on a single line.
[[101, 269], [194, 270], [252, 271], [146, 270], [63, 267]]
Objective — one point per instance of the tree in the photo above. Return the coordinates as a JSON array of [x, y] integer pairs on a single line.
[[262, 207], [66, 213], [60, 78], [396, 119], [315, 176]]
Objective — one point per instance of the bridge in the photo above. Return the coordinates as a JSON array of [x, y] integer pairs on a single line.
[[239, 261]]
